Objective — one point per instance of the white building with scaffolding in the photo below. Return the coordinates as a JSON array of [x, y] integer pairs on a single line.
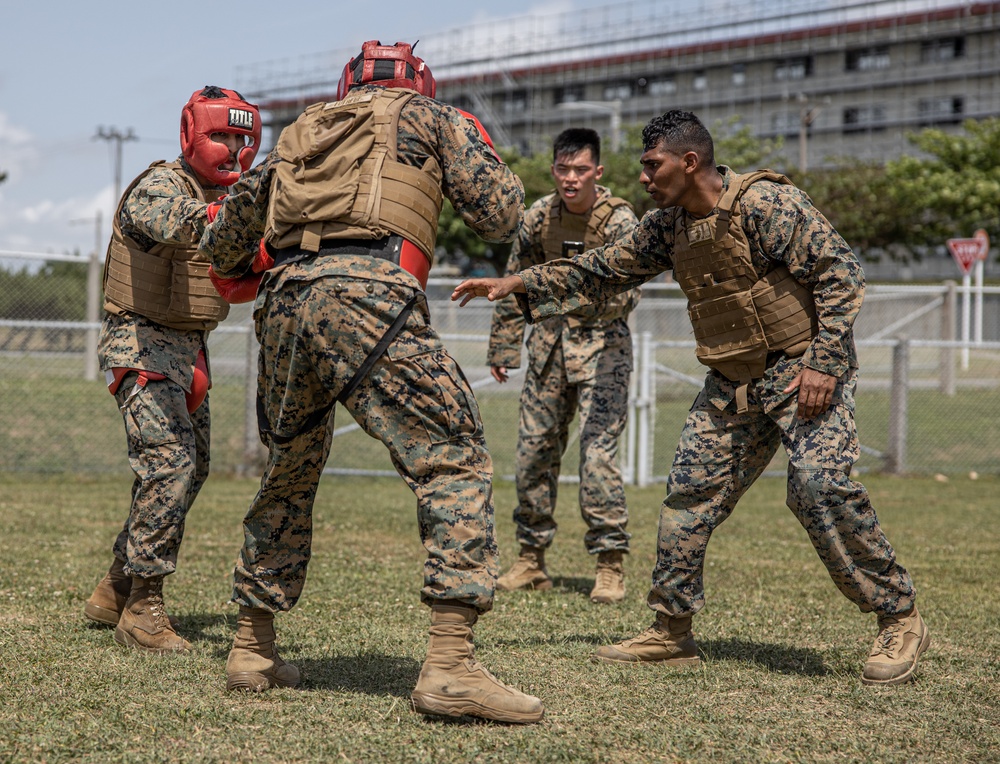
[[837, 79]]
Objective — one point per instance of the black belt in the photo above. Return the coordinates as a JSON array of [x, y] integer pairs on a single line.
[[387, 248]]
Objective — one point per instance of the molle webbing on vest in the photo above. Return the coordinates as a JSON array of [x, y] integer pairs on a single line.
[[340, 178], [168, 284], [558, 227], [737, 316]]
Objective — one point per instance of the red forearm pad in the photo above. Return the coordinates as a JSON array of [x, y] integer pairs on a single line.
[[213, 211], [482, 130], [236, 290], [263, 261]]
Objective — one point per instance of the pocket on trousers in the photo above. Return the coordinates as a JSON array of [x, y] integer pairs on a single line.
[[436, 396]]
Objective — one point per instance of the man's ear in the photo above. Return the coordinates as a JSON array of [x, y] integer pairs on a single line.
[[691, 162]]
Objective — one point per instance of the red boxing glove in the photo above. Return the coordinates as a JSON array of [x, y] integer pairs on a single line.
[[213, 210], [236, 290], [482, 130], [263, 261]]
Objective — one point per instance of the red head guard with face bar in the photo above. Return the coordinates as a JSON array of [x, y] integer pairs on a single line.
[[391, 66], [217, 110]]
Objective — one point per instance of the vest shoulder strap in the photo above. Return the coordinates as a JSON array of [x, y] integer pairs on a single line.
[[737, 186]]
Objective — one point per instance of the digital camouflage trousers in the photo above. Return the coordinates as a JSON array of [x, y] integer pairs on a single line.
[[168, 451], [313, 336], [548, 405], [721, 454]]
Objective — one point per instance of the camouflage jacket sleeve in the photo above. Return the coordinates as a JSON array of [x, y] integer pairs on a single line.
[[507, 329], [561, 286], [781, 221], [160, 209], [232, 240], [484, 191]]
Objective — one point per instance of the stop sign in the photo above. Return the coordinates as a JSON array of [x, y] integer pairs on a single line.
[[967, 251]]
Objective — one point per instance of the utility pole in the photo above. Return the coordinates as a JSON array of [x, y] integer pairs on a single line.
[[112, 135]]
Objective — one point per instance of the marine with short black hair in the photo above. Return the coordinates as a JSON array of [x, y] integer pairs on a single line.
[[578, 363], [773, 291]]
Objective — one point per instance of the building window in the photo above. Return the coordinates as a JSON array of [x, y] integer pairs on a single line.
[[868, 59], [861, 119], [617, 91], [700, 81], [569, 94], [943, 110], [662, 86], [944, 49], [785, 122], [739, 75], [797, 68], [515, 103]]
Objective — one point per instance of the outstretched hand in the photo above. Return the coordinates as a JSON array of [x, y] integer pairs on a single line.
[[491, 289]]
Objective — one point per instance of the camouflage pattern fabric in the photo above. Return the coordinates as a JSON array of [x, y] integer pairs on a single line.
[[580, 362], [316, 320], [168, 451], [313, 336], [168, 448], [721, 453]]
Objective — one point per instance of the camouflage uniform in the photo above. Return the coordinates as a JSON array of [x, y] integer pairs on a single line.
[[721, 453], [579, 361], [317, 319], [168, 448]]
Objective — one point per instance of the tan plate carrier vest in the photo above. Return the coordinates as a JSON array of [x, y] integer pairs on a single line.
[[738, 316], [557, 228], [168, 284], [341, 178]]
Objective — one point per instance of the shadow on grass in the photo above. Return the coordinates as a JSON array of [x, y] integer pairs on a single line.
[[369, 673], [778, 658], [575, 584]]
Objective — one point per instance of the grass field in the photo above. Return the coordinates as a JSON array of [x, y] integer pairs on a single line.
[[783, 650]]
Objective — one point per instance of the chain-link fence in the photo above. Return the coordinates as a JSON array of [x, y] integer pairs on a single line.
[[927, 401]]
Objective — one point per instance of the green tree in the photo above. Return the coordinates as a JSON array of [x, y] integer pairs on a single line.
[[457, 245], [855, 196], [955, 189]]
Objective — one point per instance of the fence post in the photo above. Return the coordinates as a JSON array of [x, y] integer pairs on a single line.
[[629, 474], [93, 307], [898, 392], [948, 325], [646, 409]]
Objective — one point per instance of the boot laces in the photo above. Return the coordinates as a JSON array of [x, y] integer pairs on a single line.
[[523, 565], [157, 610], [887, 640], [650, 634], [606, 578]]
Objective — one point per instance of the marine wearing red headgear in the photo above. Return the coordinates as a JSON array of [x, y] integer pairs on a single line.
[[217, 110], [391, 66]]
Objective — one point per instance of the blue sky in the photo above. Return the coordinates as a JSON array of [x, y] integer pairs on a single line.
[[68, 68]]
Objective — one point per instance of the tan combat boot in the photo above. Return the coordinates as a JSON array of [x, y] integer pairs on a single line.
[[453, 683], [609, 583], [901, 640], [668, 640], [144, 624], [254, 663], [107, 601], [527, 573]]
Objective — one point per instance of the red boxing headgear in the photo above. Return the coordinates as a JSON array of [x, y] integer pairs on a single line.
[[391, 66], [217, 110]]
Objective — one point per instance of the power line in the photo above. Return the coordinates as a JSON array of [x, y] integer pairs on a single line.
[[113, 135]]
